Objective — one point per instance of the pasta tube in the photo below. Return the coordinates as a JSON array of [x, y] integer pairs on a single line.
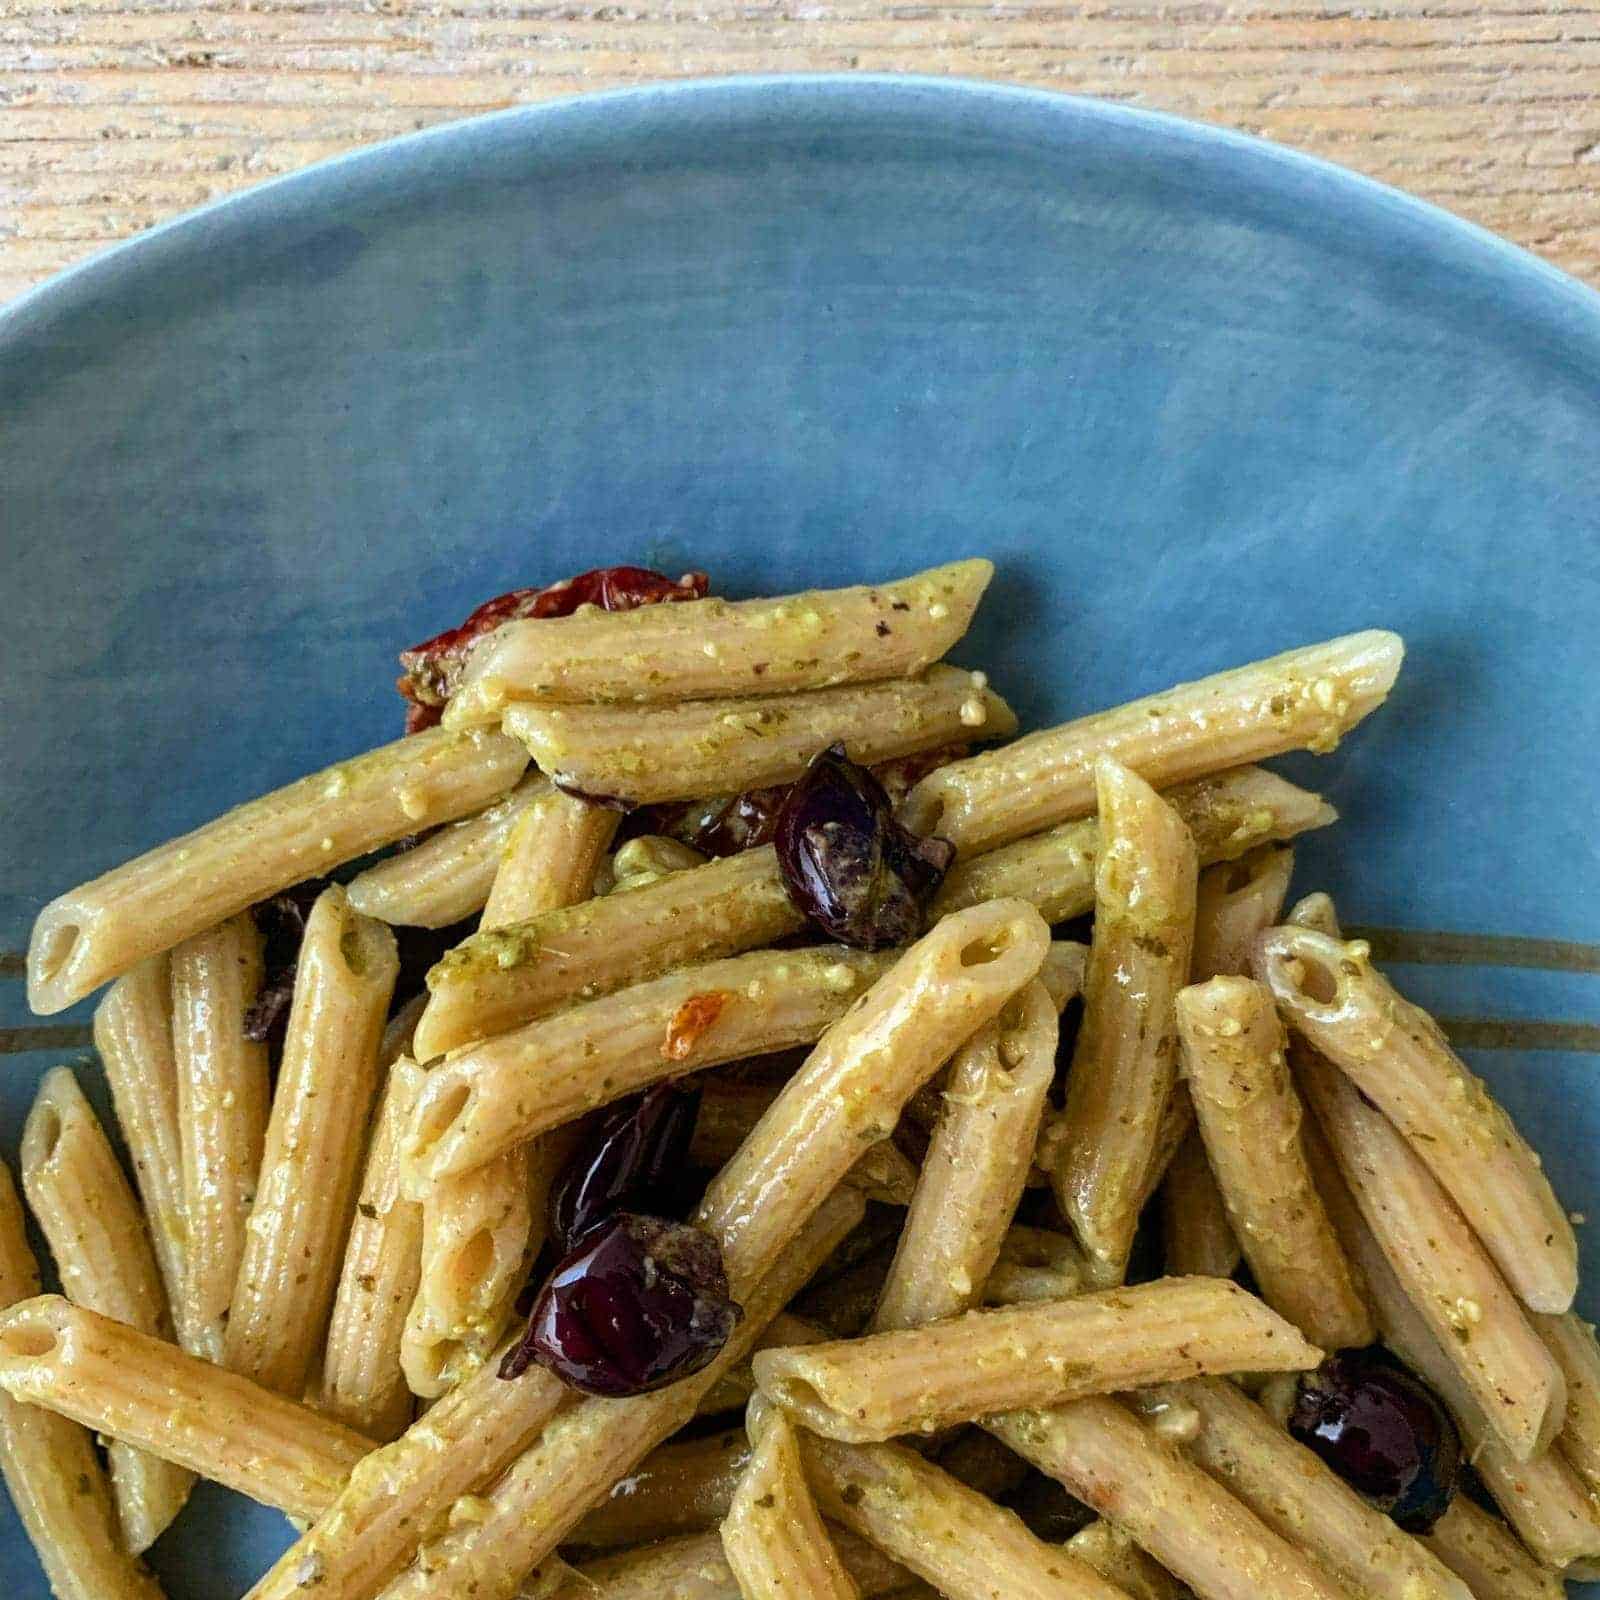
[[1453, 1284], [724, 648], [1317, 912], [698, 747], [1196, 1231], [221, 1110], [1479, 1548], [1235, 901], [853, 1085], [88, 1214], [50, 1467], [1305, 699], [1124, 1067], [773, 1535], [679, 1488], [200, 1417], [961, 1542], [733, 1391], [550, 858], [179, 889], [1035, 1264], [1238, 1076], [485, 1099], [1120, 1561], [924, 1379], [1395, 1054], [1290, 1489], [1571, 1341], [1197, 1530], [311, 1168], [976, 1167], [587, 1447], [133, 1035]]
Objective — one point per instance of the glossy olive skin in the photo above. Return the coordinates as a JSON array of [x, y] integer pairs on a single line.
[[633, 1159], [641, 1303], [848, 866], [1384, 1432]]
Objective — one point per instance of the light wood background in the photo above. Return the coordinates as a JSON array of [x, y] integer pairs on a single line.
[[116, 114]]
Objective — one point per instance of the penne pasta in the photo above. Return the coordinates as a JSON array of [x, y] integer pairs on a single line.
[[192, 883], [447, 877], [1036, 1264], [1306, 1502], [695, 747], [133, 1035], [89, 1215], [1571, 1341], [490, 1097], [1145, 1486], [716, 647], [1445, 1272], [1228, 814], [1305, 699], [588, 1446], [1198, 1237], [1317, 912], [648, 858], [1103, 1158], [363, 1383], [1236, 1068], [773, 1535], [1396, 1055], [732, 1392], [684, 1487], [49, 1465], [1120, 1561], [962, 1543], [919, 1380], [976, 1166], [222, 1099], [1234, 902], [1480, 1549], [311, 1167], [853, 1085], [187, 1413], [550, 857]]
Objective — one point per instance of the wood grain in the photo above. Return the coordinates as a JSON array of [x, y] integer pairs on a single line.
[[116, 114]]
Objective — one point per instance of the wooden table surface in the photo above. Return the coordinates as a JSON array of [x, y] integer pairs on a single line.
[[116, 114]]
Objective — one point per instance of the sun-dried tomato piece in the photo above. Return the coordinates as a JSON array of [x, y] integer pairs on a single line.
[[432, 669], [691, 1022]]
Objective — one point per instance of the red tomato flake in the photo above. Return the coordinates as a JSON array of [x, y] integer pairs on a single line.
[[691, 1022], [432, 669]]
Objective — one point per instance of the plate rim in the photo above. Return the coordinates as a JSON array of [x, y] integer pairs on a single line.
[[1256, 162]]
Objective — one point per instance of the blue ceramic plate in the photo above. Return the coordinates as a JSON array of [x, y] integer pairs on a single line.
[[1200, 399]]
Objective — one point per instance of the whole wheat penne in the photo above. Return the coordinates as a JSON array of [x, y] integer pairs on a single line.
[[1196, 1232], [1479, 1548], [1443, 1268], [316, 1134], [1294, 1493], [1235, 901], [1018, 1357], [1395, 1054], [446, 877], [87, 1211], [1145, 1485], [587, 1447], [1305, 699], [189, 1413], [1236, 1068], [179, 889], [1571, 1341], [502, 978], [1124, 1065], [683, 1487], [133, 1035], [1317, 912], [363, 1382], [773, 1535], [49, 1465], [1228, 813], [696, 747], [960, 1541], [976, 1166], [648, 858], [222, 1098], [487, 1098], [721, 647], [550, 857], [733, 1390], [850, 1091], [694, 1568], [1035, 1264], [1120, 1561]]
